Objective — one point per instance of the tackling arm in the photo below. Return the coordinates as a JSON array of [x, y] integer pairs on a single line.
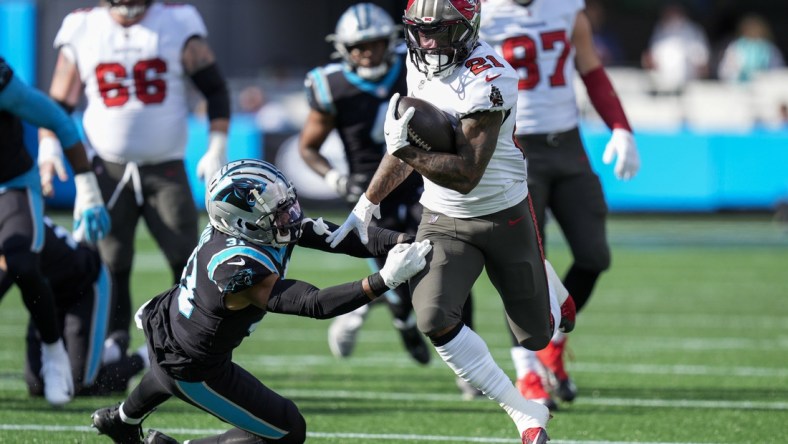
[[304, 299]]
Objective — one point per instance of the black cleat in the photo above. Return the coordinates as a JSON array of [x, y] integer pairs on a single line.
[[157, 437], [414, 343], [107, 421]]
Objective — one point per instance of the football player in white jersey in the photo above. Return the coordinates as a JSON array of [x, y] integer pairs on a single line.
[[134, 59], [549, 43], [476, 209]]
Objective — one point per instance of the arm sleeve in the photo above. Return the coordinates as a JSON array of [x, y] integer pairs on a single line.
[[381, 240], [35, 107], [604, 99], [304, 299]]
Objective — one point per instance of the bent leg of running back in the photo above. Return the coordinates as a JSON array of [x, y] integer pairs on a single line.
[[439, 293]]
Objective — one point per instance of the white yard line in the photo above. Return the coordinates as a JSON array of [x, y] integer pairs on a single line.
[[360, 437]]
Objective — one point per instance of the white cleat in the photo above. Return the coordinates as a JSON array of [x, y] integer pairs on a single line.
[[56, 372], [343, 332]]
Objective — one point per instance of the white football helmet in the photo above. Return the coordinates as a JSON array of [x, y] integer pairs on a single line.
[[441, 34], [253, 200], [365, 22]]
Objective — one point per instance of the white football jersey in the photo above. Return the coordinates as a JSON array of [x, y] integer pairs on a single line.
[[483, 82], [536, 41], [134, 81]]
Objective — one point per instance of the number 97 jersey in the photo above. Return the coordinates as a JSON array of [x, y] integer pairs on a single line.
[[536, 41], [134, 81]]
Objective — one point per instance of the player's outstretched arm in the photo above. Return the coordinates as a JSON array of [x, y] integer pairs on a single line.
[[390, 173], [381, 240], [303, 299]]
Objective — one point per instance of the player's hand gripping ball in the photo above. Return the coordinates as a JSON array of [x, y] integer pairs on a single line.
[[430, 129]]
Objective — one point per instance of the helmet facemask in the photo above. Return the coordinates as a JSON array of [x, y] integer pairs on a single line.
[[253, 200], [441, 34], [437, 50]]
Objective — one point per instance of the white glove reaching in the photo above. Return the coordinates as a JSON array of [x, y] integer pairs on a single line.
[[318, 226], [396, 130], [358, 220], [91, 218], [337, 182], [214, 158], [50, 162], [403, 262], [622, 145]]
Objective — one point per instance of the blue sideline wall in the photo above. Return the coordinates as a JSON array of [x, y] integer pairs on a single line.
[[681, 172], [695, 172]]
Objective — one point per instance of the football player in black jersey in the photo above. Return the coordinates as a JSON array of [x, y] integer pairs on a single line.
[[236, 275], [351, 97], [22, 214], [83, 289]]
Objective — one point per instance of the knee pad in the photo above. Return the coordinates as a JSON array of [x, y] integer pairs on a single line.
[[434, 318]]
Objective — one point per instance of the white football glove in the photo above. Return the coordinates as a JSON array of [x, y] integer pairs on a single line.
[[214, 158], [91, 219], [318, 226], [396, 130], [358, 220], [403, 262], [337, 182], [622, 145], [50, 162]]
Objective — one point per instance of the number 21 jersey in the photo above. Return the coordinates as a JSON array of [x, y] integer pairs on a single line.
[[135, 86]]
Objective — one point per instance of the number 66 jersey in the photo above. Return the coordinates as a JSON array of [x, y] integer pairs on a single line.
[[536, 41], [134, 80]]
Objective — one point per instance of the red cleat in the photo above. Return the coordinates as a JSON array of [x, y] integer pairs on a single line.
[[535, 435]]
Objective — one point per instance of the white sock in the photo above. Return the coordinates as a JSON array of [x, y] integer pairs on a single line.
[[525, 361], [125, 418], [111, 352], [53, 348], [558, 337], [469, 357]]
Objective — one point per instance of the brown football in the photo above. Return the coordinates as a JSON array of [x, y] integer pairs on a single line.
[[430, 129]]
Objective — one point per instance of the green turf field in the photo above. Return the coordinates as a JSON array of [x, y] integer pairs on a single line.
[[685, 341]]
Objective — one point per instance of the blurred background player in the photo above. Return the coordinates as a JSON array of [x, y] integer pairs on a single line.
[[22, 218], [134, 59], [82, 288], [352, 97], [549, 43], [235, 276]]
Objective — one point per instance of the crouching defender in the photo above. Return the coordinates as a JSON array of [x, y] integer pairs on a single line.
[[236, 275], [82, 287]]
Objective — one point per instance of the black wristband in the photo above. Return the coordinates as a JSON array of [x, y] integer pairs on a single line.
[[376, 284]]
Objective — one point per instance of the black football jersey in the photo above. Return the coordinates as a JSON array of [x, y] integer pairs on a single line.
[[70, 266], [14, 158], [192, 332], [359, 107]]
